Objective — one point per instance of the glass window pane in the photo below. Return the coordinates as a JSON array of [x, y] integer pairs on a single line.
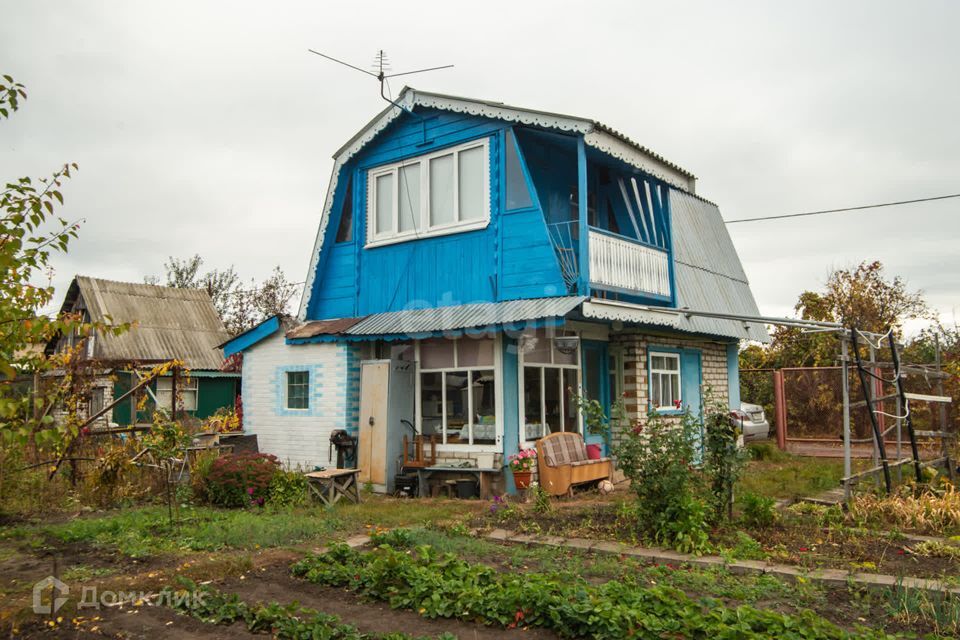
[[472, 205], [384, 204], [475, 352], [518, 195], [408, 197], [441, 190], [431, 407], [436, 353], [655, 397], [483, 387], [298, 388], [345, 230], [536, 348], [456, 409], [559, 357], [675, 388], [551, 397], [672, 363], [570, 422], [533, 421], [656, 362], [665, 392]]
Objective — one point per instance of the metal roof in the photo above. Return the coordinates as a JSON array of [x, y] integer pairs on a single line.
[[171, 323], [465, 316]]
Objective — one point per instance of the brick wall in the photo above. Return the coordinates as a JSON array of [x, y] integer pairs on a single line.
[[300, 438], [635, 385]]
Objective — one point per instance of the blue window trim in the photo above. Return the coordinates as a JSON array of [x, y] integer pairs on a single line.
[[679, 353], [314, 390]]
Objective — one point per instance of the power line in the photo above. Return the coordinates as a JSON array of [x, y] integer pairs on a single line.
[[860, 208]]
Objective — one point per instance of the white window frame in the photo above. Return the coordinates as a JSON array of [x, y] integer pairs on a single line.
[[286, 390], [670, 372], [521, 365], [497, 367], [187, 387], [425, 230]]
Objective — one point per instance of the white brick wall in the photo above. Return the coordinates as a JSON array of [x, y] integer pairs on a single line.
[[300, 439]]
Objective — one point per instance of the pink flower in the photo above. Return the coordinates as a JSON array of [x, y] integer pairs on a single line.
[[250, 491]]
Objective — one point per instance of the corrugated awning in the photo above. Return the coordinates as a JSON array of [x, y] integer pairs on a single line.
[[420, 322]]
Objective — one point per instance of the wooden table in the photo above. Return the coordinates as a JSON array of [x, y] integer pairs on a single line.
[[485, 476], [332, 484]]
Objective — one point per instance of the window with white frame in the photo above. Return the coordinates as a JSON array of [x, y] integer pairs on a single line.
[[457, 385], [551, 376], [442, 192], [298, 390], [186, 387], [665, 381]]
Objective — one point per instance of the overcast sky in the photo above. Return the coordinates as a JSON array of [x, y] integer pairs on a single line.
[[206, 127]]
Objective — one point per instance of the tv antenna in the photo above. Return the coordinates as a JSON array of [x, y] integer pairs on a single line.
[[381, 65]]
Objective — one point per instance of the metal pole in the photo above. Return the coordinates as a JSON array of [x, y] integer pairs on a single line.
[[845, 378], [943, 412], [865, 383], [902, 400], [899, 439], [780, 409]]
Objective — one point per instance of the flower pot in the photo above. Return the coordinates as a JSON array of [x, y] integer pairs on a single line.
[[521, 479]]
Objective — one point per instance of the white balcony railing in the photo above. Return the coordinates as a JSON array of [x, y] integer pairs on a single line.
[[624, 264]]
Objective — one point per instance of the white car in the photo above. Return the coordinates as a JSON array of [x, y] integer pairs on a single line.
[[753, 422]]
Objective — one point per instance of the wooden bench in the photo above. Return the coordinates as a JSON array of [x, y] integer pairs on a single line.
[[332, 484], [563, 462]]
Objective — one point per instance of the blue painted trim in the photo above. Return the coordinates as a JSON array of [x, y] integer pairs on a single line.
[[672, 274], [511, 406], [315, 390], [583, 286], [251, 336], [733, 374], [635, 294]]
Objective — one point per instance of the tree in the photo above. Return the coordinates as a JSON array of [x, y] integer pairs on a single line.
[[239, 308], [185, 274], [30, 234]]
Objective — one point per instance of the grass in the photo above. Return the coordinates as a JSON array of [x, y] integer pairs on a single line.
[[783, 475], [146, 531]]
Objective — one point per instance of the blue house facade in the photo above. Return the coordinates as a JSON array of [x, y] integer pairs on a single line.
[[499, 260]]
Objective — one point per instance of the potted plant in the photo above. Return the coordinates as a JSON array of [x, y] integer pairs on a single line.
[[521, 464]]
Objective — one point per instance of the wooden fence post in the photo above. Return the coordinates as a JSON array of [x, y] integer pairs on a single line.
[[780, 409]]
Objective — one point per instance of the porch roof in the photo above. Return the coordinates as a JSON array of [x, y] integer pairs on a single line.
[[421, 322]]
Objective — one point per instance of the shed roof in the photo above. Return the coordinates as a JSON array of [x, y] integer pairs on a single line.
[[171, 323]]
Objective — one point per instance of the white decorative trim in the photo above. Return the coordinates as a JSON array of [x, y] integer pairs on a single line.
[[619, 149], [508, 114]]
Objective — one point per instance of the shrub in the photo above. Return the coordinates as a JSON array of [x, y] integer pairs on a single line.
[[657, 458], [759, 511], [724, 459], [288, 488], [241, 479], [396, 538]]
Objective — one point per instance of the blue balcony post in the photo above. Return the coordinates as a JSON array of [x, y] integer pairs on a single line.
[[583, 283]]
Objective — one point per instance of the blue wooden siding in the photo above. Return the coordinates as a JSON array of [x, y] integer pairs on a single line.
[[511, 258]]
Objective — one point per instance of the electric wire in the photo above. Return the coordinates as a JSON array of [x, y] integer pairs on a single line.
[[841, 210]]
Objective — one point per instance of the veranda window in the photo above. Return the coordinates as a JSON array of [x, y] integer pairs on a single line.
[[458, 390], [550, 378], [665, 381]]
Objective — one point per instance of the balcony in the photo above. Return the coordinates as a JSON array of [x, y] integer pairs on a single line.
[[616, 263], [622, 264]]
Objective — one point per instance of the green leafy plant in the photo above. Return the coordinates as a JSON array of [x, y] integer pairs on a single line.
[[757, 511], [288, 488], [541, 499], [444, 586], [724, 459], [658, 460]]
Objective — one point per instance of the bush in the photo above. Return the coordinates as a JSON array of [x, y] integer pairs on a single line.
[[241, 479], [657, 458], [724, 459], [288, 488], [759, 511]]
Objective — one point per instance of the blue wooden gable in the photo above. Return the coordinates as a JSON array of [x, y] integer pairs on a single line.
[[592, 218], [512, 258]]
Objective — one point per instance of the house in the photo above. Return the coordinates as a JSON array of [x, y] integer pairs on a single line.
[[491, 260], [170, 324]]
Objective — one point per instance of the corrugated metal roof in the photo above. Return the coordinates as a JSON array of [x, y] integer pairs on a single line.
[[464, 316], [172, 323]]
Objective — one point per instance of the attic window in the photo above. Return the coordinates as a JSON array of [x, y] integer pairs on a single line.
[[345, 230], [447, 191]]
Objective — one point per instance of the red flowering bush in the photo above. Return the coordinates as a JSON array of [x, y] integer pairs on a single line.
[[241, 479]]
